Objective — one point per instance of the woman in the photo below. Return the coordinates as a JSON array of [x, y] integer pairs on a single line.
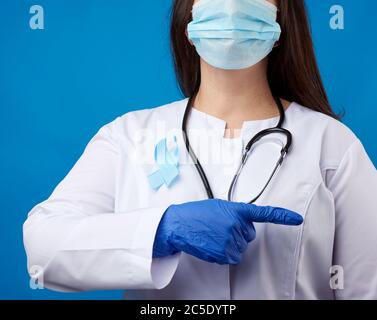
[[136, 211]]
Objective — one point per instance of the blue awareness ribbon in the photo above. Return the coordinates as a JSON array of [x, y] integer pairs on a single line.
[[167, 161]]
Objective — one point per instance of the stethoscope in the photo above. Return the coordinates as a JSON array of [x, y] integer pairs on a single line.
[[278, 129]]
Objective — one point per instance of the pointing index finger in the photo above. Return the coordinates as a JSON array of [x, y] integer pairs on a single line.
[[271, 214]]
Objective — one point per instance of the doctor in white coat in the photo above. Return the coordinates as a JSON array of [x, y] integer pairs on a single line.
[[104, 225]]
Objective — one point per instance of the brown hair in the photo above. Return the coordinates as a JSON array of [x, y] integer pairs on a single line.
[[292, 72]]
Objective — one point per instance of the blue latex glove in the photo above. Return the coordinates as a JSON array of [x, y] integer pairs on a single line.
[[214, 230]]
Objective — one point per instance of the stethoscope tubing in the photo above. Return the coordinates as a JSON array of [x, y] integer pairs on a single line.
[[278, 129]]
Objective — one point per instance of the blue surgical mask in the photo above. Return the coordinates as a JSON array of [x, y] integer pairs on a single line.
[[234, 34]]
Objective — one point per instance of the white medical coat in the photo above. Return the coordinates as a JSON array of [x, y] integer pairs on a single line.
[[97, 228]]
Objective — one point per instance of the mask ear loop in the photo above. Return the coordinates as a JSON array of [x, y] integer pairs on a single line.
[[277, 43]]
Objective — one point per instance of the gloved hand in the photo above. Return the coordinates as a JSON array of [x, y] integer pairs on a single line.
[[214, 230]]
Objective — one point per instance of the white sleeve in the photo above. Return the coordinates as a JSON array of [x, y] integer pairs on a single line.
[[354, 186], [75, 241]]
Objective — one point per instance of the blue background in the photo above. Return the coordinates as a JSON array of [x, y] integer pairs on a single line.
[[97, 60]]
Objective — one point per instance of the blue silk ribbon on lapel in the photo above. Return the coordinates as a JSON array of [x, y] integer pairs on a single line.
[[168, 161]]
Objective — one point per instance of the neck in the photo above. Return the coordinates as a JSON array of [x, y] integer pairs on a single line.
[[236, 96]]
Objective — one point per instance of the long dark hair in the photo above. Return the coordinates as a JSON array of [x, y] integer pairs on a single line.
[[292, 72]]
